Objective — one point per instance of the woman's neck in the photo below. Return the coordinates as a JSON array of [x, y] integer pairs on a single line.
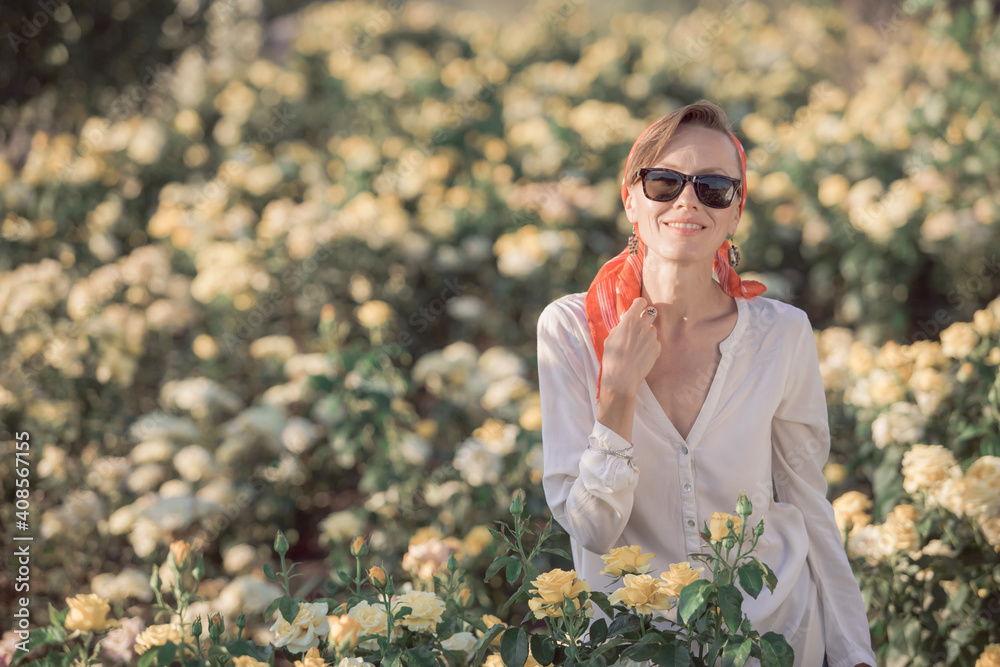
[[684, 294]]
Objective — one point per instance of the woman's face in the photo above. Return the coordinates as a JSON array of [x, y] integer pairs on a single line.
[[684, 229]]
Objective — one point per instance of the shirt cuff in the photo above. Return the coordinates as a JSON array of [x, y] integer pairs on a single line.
[[603, 472]]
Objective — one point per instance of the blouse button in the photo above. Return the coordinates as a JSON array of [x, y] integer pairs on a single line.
[[684, 450], [687, 487], [691, 523]]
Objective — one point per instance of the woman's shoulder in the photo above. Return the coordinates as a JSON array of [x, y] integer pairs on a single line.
[[565, 317], [564, 310], [777, 313]]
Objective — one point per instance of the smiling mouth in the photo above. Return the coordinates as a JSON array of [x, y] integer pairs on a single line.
[[685, 225]]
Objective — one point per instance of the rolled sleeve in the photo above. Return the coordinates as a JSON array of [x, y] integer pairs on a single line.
[[590, 493]]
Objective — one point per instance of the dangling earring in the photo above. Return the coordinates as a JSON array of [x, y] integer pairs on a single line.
[[633, 245], [734, 252]]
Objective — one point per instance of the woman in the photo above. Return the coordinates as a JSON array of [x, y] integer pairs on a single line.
[[664, 393]]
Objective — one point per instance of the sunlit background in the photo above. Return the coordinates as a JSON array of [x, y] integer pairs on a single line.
[[271, 265]]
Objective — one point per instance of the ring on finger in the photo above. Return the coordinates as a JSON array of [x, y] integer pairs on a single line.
[[651, 311]]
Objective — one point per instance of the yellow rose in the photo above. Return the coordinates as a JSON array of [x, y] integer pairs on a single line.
[[980, 488], [489, 621], [371, 618], [717, 525], [159, 635], [357, 545], [679, 576], [463, 643], [180, 551], [925, 467], [305, 631], [88, 613], [958, 340], [991, 530], [494, 660], [990, 657], [247, 661], [899, 532], [642, 593], [377, 575], [344, 631], [478, 540], [426, 610], [312, 658], [374, 314], [626, 560], [553, 589], [852, 508]]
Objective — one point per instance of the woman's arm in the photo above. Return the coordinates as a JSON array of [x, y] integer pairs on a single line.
[[589, 492], [800, 434]]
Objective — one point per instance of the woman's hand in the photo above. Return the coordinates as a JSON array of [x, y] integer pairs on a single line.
[[630, 350]]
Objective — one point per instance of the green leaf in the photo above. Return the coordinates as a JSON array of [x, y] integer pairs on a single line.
[[498, 562], [622, 624], [770, 579], [165, 654], [269, 572], [598, 633], [736, 656], [543, 649], [643, 650], [674, 655], [692, 600], [57, 618], [775, 651], [485, 642], [514, 647], [751, 579], [557, 552], [393, 655], [716, 646], [270, 608], [608, 645], [147, 658], [513, 570], [731, 603], [289, 608], [239, 647], [421, 656]]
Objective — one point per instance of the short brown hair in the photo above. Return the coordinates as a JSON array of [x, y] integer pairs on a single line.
[[702, 114]]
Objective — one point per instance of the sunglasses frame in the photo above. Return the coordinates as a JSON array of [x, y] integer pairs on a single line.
[[696, 180]]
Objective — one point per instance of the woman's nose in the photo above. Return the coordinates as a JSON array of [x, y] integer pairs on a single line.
[[687, 195]]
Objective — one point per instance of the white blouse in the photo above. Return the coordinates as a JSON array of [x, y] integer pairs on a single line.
[[763, 428]]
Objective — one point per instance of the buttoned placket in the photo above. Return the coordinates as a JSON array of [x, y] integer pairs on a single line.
[[686, 449]]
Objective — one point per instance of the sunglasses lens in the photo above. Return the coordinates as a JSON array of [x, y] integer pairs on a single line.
[[663, 185], [716, 192]]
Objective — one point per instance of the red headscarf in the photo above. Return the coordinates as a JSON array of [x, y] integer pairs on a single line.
[[619, 282]]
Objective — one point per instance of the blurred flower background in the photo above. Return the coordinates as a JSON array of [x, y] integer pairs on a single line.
[[281, 267]]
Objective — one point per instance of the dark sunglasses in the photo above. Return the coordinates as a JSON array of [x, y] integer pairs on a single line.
[[714, 190]]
